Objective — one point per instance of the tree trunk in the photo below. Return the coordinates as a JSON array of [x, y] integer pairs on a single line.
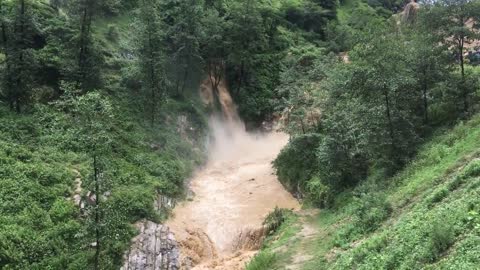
[[18, 107], [3, 27], [153, 85], [97, 212], [84, 32], [21, 46], [463, 82], [389, 116], [81, 55], [185, 77], [153, 80], [425, 97]]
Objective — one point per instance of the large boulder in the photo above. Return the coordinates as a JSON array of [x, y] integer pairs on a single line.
[[155, 248]]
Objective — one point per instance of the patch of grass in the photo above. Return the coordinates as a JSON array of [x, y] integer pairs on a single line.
[[437, 196], [368, 212], [279, 244], [442, 237], [262, 261], [437, 159]]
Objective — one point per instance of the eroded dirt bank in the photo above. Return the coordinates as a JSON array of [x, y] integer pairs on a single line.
[[220, 227]]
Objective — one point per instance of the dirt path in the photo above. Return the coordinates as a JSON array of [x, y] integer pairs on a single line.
[[304, 238]]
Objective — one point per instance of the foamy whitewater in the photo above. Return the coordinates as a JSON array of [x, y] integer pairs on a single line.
[[221, 227]]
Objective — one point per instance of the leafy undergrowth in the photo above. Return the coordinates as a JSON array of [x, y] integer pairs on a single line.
[[426, 217], [41, 227], [41, 156]]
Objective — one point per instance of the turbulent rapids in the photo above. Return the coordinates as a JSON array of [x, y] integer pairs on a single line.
[[220, 227]]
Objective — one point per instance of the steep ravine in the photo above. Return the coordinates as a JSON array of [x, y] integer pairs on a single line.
[[220, 225]]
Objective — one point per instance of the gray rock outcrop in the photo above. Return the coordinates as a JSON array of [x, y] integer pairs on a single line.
[[155, 248]]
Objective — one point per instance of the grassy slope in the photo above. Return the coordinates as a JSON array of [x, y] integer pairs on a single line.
[[434, 222], [40, 227]]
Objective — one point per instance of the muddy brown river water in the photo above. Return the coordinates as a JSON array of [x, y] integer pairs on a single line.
[[220, 226]]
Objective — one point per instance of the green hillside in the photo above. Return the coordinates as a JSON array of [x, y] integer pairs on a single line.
[[383, 186], [425, 217], [100, 116], [46, 149]]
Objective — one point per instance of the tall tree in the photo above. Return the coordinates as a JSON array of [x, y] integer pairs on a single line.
[[255, 49], [246, 38], [19, 59], [429, 60], [3, 26], [455, 21], [152, 57], [183, 21], [92, 116], [3, 49], [213, 45], [383, 80], [87, 72]]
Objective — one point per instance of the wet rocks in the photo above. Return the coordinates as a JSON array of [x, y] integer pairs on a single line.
[[196, 247], [250, 239], [155, 248]]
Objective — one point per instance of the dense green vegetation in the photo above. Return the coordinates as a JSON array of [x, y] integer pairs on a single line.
[[64, 119], [104, 93], [425, 217], [367, 116], [385, 141]]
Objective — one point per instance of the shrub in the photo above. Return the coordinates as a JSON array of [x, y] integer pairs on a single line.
[[371, 211], [455, 183], [345, 235], [320, 193], [368, 213], [296, 163], [442, 237], [473, 220], [62, 210], [471, 170], [112, 34], [262, 261], [275, 219], [437, 196]]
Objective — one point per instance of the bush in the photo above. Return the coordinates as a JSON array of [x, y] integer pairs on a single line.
[[473, 220], [455, 183], [111, 7], [296, 163], [275, 219], [442, 237], [471, 170], [262, 261], [368, 213], [320, 193], [113, 34], [371, 211], [437, 196]]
